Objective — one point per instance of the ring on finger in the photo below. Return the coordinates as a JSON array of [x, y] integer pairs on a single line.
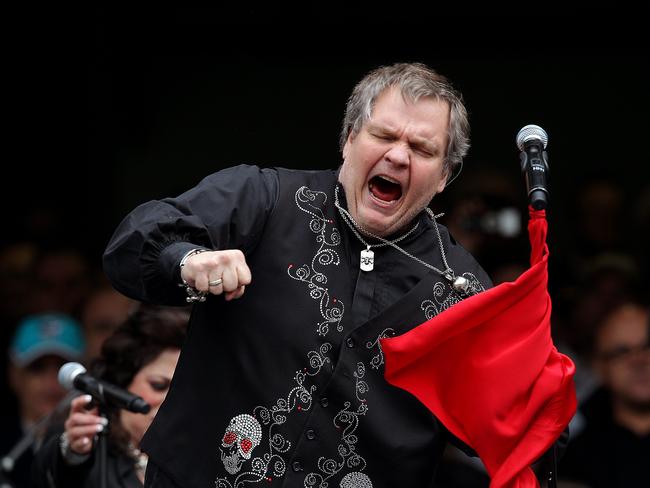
[[216, 282]]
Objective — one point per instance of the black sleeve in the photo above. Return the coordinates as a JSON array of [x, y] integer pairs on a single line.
[[49, 470], [459, 444], [226, 210]]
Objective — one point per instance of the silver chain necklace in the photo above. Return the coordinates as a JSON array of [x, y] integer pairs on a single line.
[[459, 283]]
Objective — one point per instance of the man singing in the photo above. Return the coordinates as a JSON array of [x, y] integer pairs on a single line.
[[296, 276]]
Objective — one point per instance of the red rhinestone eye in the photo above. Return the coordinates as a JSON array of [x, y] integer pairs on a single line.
[[229, 438], [246, 445]]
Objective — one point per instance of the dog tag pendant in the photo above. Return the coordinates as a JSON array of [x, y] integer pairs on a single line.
[[367, 259]]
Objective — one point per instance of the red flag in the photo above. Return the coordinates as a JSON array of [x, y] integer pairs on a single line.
[[488, 370]]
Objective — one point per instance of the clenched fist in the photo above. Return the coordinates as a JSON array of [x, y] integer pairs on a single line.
[[226, 270]]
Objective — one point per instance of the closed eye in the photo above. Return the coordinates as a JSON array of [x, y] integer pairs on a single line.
[[159, 385], [424, 151], [384, 137]]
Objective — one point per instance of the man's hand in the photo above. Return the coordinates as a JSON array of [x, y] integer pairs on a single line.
[[229, 266]]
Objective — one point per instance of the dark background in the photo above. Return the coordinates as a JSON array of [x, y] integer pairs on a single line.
[[108, 107], [114, 107]]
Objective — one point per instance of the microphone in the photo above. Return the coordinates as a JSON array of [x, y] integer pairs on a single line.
[[73, 375], [531, 141]]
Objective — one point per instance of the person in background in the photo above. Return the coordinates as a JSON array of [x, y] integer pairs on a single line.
[[40, 346], [613, 449], [62, 281], [140, 357], [103, 312], [16, 265], [16, 271]]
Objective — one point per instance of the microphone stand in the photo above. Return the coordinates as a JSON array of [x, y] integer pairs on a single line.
[[100, 400], [103, 396], [102, 452], [552, 469], [24, 443], [4, 482], [8, 461]]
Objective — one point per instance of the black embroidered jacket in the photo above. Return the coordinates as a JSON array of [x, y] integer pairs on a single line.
[[284, 387]]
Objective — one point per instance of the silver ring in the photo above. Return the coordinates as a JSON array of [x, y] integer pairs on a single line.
[[216, 282]]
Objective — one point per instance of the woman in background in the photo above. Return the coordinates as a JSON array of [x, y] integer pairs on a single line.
[[141, 357]]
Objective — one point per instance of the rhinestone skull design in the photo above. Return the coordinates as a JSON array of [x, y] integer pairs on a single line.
[[242, 435]]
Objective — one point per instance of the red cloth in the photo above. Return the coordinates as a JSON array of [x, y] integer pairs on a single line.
[[488, 370]]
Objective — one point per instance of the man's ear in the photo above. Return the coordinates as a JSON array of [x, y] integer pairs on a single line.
[[443, 181], [449, 175], [346, 146]]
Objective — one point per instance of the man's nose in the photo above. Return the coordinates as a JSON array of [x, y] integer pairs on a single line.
[[399, 154]]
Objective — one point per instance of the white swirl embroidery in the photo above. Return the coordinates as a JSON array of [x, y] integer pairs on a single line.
[[331, 309], [299, 399], [348, 421], [446, 297], [378, 359]]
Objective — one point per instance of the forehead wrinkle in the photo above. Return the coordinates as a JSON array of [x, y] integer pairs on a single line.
[[424, 142]]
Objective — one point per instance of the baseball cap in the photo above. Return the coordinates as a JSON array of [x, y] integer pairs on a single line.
[[41, 335]]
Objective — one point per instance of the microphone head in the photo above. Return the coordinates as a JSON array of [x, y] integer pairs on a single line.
[[531, 132], [67, 374], [140, 406]]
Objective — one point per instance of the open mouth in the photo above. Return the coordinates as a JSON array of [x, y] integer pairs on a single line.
[[385, 189]]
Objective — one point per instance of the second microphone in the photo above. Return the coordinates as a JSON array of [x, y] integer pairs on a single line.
[[73, 375]]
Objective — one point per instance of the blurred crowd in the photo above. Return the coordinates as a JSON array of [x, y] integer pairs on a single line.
[[56, 306]]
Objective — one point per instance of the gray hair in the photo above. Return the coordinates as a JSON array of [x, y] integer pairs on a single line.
[[415, 80]]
